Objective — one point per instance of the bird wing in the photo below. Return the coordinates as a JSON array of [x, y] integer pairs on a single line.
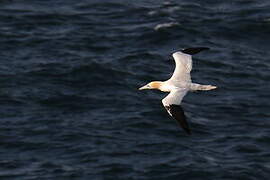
[[172, 104], [183, 66]]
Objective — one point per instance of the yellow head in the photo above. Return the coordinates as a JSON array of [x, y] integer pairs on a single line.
[[152, 85]]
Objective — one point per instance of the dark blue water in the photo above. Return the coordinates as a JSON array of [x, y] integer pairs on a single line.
[[69, 104]]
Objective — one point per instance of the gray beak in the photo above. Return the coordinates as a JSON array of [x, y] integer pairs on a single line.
[[144, 87]]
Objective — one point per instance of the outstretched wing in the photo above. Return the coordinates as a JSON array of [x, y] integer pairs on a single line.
[[172, 105], [183, 66]]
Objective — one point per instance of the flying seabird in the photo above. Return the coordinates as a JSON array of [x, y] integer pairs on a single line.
[[179, 84]]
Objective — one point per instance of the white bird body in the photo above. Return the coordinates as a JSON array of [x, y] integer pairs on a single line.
[[178, 85]]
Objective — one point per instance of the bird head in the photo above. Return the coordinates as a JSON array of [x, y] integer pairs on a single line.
[[151, 85]]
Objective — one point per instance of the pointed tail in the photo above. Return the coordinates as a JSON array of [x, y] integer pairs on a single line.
[[200, 87]]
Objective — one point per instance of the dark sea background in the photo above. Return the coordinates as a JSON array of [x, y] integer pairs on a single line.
[[69, 101]]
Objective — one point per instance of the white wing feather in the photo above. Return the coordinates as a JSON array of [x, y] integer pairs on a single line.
[[174, 97], [183, 66]]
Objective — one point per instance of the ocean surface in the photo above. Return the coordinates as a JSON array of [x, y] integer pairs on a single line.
[[69, 101]]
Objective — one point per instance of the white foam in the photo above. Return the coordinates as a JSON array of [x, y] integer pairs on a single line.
[[166, 25]]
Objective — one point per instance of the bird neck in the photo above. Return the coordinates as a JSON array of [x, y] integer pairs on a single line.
[[156, 84], [162, 86]]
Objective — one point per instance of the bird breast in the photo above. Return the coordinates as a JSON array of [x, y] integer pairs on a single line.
[[165, 87], [168, 86]]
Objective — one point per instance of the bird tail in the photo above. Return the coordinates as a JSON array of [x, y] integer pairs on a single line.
[[200, 87]]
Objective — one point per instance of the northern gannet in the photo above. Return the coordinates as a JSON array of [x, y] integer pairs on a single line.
[[178, 85]]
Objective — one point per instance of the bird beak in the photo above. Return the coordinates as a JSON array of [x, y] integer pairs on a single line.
[[144, 87]]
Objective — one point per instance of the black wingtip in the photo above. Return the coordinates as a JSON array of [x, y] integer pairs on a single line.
[[186, 129], [178, 114], [194, 50]]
